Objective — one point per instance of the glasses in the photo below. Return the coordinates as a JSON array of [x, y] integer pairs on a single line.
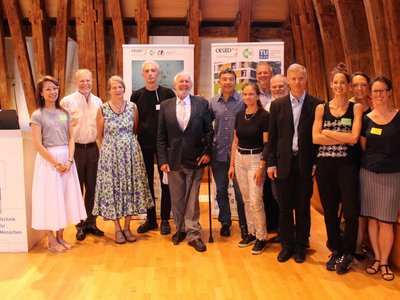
[[52, 89], [379, 91]]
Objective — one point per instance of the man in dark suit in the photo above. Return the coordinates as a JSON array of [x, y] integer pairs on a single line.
[[184, 131], [290, 159]]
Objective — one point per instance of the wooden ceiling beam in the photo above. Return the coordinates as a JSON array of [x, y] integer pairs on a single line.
[[13, 13], [194, 20], [85, 19], [119, 35], [243, 20], [40, 38], [101, 64], [142, 21], [5, 99], [61, 46], [392, 18]]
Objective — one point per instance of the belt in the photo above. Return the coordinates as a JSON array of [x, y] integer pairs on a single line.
[[250, 151], [295, 153], [88, 145]]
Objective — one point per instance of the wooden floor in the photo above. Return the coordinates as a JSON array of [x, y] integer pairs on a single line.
[[153, 268]]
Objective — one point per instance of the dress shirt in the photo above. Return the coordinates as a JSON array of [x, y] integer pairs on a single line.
[[83, 116], [265, 98], [223, 114], [183, 111], [297, 104]]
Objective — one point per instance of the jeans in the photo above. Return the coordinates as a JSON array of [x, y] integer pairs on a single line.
[[245, 168], [220, 174]]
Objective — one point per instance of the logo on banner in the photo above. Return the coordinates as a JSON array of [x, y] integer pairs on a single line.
[[152, 52], [139, 52], [263, 53], [160, 52], [248, 53], [227, 52]]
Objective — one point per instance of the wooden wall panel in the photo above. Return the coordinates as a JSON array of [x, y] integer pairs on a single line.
[[392, 18], [119, 36], [377, 32], [353, 26], [244, 20], [100, 50], [142, 18], [296, 33], [331, 40], [194, 19], [313, 55]]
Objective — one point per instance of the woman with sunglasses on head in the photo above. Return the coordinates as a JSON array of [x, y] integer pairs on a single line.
[[380, 174], [56, 193]]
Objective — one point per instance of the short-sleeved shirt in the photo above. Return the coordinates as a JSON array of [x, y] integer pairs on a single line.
[[54, 126], [382, 153], [223, 113], [250, 129]]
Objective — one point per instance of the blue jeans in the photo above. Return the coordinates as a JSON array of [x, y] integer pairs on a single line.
[[220, 173]]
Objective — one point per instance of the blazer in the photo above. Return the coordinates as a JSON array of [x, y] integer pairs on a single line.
[[280, 136], [177, 147]]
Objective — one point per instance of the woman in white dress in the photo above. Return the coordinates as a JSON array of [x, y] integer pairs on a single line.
[[56, 194]]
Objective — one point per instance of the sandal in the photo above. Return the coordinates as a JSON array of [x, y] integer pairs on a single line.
[[387, 274], [119, 237], [56, 249], [371, 270], [66, 245], [129, 236]]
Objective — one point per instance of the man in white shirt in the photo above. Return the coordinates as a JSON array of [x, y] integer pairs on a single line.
[[82, 106], [263, 75]]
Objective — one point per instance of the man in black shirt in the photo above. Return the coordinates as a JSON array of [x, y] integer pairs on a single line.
[[148, 101]]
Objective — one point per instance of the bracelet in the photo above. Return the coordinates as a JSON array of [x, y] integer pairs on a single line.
[[71, 161]]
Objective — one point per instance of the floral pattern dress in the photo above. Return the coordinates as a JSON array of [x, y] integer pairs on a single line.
[[121, 188]]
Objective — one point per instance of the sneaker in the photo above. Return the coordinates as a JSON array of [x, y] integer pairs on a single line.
[[247, 241], [147, 226], [225, 230], [259, 247], [333, 260], [343, 265]]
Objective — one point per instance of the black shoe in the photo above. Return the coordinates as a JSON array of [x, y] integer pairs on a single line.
[[275, 240], [80, 235], [299, 255], [259, 247], [343, 265], [225, 230], [333, 260], [360, 257], [247, 241], [178, 237], [94, 230], [147, 226], [165, 228], [198, 244], [243, 232], [285, 254]]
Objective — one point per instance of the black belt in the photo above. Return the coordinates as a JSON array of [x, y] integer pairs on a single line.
[[250, 151], [88, 145]]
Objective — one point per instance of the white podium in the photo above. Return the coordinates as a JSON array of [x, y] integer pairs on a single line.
[[17, 156]]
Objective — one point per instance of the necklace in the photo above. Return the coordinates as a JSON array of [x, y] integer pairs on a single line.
[[246, 118], [119, 108]]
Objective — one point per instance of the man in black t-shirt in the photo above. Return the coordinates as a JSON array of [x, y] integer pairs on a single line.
[[148, 101]]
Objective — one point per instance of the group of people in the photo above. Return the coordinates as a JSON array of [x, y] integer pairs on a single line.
[[270, 140]]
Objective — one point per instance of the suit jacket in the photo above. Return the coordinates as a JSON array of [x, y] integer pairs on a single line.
[[177, 147], [280, 136]]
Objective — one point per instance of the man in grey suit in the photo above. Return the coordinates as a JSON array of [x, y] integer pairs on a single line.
[[184, 131], [291, 156]]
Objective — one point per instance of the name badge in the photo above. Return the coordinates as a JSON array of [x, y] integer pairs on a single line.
[[157, 106], [377, 131], [63, 117], [346, 121]]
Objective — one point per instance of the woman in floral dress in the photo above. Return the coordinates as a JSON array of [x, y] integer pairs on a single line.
[[121, 188]]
